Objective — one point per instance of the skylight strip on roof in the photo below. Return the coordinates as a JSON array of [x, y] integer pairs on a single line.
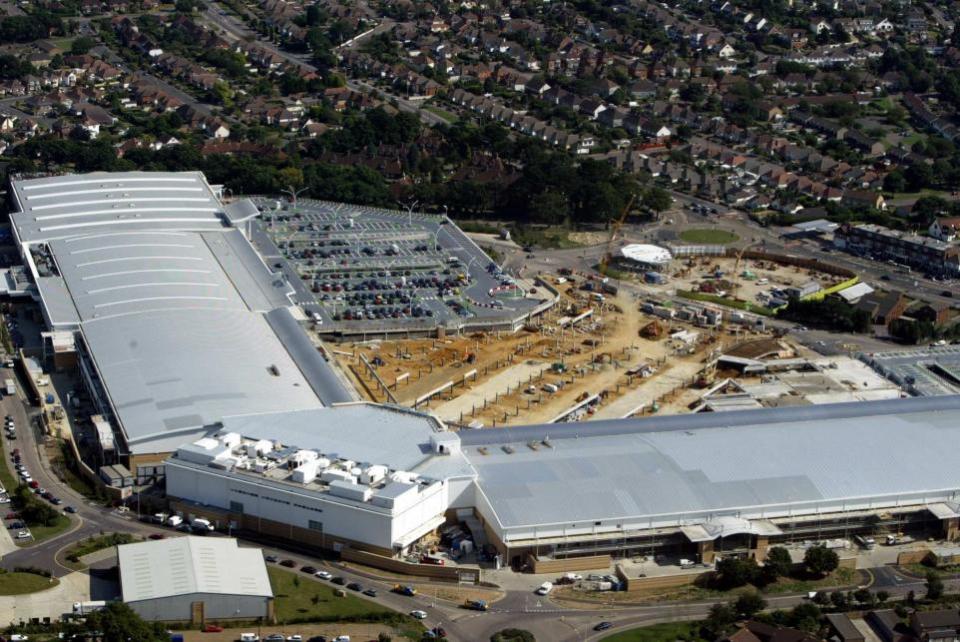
[[115, 210], [106, 248], [107, 201], [78, 192], [107, 275], [116, 180], [122, 221], [119, 259], [153, 285], [161, 298]]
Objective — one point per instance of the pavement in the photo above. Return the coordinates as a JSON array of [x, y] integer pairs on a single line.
[[51, 603]]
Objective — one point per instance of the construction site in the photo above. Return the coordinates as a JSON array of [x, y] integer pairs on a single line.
[[766, 282], [594, 355]]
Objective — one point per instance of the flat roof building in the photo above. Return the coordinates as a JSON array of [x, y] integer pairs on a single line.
[[178, 321], [193, 579], [736, 481]]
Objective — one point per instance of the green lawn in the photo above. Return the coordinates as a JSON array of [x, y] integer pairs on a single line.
[[6, 475], [658, 633], [301, 598], [708, 236], [20, 583], [442, 113], [41, 533], [94, 544]]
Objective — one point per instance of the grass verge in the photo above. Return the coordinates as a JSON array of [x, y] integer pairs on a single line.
[[22, 583], [746, 306], [658, 633], [300, 598], [708, 236], [442, 113]]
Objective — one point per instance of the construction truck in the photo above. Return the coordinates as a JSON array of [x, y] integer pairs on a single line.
[[475, 605]]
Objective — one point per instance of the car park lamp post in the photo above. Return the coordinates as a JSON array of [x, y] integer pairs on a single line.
[[410, 207], [293, 193]]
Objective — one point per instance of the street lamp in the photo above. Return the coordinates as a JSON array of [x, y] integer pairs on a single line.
[[409, 209], [293, 193]]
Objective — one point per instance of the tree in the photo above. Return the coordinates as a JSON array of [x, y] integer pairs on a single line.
[[864, 597], [749, 604], [821, 560], [778, 563], [839, 600], [733, 572], [657, 199], [882, 596], [120, 623], [934, 586], [894, 182], [82, 45], [720, 617], [918, 176]]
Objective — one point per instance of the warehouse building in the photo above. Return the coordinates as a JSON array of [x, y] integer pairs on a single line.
[[195, 579], [687, 485], [156, 280]]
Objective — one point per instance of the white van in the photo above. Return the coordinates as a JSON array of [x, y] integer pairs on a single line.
[[201, 524], [174, 520], [544, 588]]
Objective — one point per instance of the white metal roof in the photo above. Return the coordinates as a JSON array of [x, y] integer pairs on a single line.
[[169, 300], [63, 206], [752, 464], [172, 373], [649, 254], [187, 565]]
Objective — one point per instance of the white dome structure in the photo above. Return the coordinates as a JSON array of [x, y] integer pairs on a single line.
[[643, 256]]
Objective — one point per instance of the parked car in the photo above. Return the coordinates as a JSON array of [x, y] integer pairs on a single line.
[[323, 575], [273, 559], [212, 628], [339, 581], [370, 592], [23, 535], [603, 626], [274, 637], [288, 563], [418, 614], [69, 509], [309, 569], [159, 536]]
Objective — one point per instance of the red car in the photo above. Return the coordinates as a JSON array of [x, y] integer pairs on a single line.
[[160, 536], [34, 484], [212, 628]]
